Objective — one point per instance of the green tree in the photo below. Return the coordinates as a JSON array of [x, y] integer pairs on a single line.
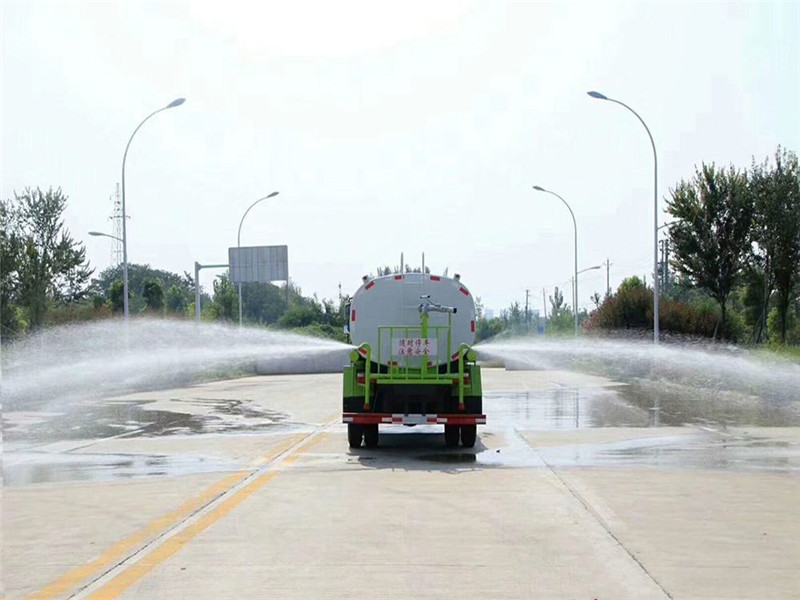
[[50, 265], [711, 235], [153, 295], [225, 302], [10, 254], [137, 275], [632, 283], [561, 319], [513, 318], [557, 305], [299, 316], [176, 300], [487, 328], [263, 302], [116, 295], [755, 296], [776, 188]]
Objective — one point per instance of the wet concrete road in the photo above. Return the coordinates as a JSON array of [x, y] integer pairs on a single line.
[[578, 488]]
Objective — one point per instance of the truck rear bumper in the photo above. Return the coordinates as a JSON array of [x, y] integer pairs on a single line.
[[401, 419]]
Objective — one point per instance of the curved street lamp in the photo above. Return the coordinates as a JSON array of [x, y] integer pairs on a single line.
[[575, 281], [239, 245], [108, 235], [599, 96], [173, 104], [575, 225]]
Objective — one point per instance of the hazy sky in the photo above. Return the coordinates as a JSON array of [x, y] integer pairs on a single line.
[[391, 127]]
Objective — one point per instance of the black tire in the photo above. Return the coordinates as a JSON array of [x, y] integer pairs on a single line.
[[451, 433], [355, 433], [469, 433], [371, 436]]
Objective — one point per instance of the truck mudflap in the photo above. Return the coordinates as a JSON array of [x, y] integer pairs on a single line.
[[402, 419]]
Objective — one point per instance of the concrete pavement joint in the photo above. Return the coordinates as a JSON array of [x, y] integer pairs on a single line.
[[597, 517], [75, 581], [132, 568]]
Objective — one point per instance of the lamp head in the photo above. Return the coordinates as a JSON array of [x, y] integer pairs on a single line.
[[273, 194], [539, 188], [176, 102], [597, 95], [96, 233]]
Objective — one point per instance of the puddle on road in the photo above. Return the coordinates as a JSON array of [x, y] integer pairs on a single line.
[[565, 408], [95, 420], [41, 447], [639, 404], [706, 450], [23, 468], [679, 404]]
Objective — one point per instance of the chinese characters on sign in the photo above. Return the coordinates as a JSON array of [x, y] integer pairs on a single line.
[[410, 347]]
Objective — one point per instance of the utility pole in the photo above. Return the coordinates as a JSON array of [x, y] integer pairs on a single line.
[[608, 278], [527, 317], [664, 263], [544, 305], [116, 218]]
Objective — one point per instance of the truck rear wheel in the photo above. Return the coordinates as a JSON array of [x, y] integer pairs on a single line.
[[355, 433], [371, 436], [469, 434], [451, 435]]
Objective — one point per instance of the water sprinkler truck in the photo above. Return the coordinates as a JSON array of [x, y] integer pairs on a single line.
[[413, 363]]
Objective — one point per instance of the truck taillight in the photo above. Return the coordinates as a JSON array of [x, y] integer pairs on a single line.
[[472, 326], [353, 315], [361, 379]]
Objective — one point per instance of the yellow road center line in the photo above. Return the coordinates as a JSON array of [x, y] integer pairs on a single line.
[[126, 547], [146, 564]]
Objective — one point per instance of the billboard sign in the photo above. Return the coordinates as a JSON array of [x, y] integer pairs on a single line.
[[259, 264]]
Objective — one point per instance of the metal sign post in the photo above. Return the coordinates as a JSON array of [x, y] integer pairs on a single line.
[[197, 266]]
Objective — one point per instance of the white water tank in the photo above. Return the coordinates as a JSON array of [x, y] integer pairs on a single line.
[[394, 300]]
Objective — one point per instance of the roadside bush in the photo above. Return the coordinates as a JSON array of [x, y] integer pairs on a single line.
[[688, 319], [300, 316], [487, 328], [321, 330], [630, 308], [71, 313]]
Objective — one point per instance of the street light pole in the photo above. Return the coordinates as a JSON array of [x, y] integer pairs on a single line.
[[575, 225], [239, 246], [173, 104], [600, 96]]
